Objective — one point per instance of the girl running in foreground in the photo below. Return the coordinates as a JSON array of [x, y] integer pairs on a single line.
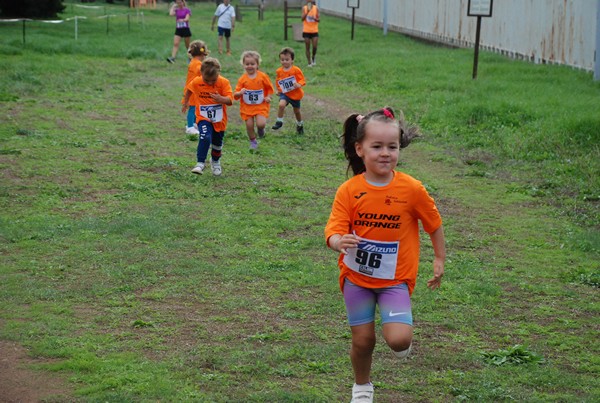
[[374, 224]]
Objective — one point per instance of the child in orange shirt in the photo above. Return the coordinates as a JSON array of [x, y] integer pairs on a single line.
[[374, 225], [197, 52], [310, 30], [289, 80], [213, 94], [255, 89]]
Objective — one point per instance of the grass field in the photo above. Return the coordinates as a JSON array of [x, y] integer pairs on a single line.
[[128, 278]]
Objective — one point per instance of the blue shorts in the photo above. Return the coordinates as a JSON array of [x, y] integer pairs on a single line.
[[293, 102], [394, 304], [224, 32]]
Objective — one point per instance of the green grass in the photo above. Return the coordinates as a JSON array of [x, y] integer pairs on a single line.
[[135, 280]]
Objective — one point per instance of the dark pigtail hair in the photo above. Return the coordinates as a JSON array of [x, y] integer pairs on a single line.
[[354, 131], [349, 139], [407, 133]]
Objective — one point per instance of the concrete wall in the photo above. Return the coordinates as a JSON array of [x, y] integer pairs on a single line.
[[542, 31]]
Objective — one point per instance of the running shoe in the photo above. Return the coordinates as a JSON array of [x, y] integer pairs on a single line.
[[199, 168]]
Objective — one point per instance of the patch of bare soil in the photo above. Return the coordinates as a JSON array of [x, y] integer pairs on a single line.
[[19, 383]]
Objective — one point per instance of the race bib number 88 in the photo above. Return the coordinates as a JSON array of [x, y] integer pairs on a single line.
[[287, 84]]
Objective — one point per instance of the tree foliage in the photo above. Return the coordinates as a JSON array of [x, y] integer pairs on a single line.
[[31, 8]]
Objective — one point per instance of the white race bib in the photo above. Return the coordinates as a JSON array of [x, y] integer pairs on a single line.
[[310, 18], [287, 84], [254, 97], [214, 113], [181, 24], [375, 259]]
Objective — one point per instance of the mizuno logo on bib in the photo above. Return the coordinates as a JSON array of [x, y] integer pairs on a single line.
[[372, 258]]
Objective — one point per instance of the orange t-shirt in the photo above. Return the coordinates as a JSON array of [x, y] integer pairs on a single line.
[[193, 72], [283, 77], [252, 103], [310, 25], [211, 108], [386, 219]]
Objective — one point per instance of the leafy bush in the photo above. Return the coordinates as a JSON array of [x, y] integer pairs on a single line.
[[31, 8], [515, 355]]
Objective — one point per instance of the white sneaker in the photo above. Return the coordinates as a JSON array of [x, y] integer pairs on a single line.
[[199, 168], [362, 393], [191, 130], [216, 167]]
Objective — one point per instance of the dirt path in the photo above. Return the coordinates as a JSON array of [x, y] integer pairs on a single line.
[[20, 383]]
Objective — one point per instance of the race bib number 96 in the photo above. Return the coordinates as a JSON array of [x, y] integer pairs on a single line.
[[372, 258]]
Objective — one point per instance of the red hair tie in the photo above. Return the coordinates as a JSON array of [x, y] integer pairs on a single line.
[[388, 113]]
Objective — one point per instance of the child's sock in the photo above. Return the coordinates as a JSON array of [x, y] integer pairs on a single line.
[[403, 353], [299, 123], [191, 116]]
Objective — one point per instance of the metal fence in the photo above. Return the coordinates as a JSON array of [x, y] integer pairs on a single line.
[[542, 31]]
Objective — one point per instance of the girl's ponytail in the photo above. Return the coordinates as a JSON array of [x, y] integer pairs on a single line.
[[349, 138], [407, 133]]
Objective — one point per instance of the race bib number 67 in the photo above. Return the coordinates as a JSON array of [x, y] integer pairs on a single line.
[[214, 113], [372, 258]]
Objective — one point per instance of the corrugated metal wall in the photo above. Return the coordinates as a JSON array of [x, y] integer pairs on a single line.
[[543, 31]]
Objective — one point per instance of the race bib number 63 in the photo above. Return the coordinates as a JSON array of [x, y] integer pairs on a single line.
[[254, 97]]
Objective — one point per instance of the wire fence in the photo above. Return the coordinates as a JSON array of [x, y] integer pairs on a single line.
[[138, 16]]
